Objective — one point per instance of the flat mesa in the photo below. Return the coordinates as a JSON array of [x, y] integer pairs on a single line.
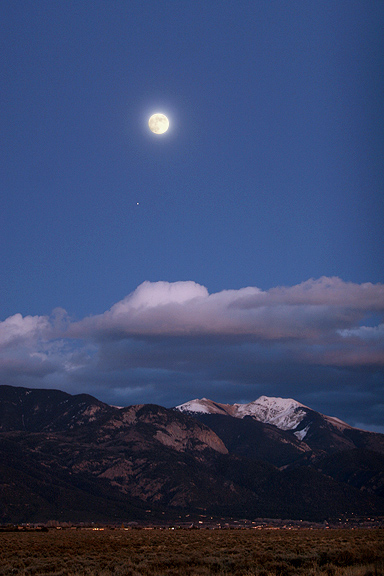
[[158, 123]]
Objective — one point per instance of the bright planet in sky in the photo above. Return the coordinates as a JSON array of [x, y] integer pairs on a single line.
[[158, 123]]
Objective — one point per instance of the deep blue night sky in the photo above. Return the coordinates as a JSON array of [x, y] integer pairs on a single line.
[[270, 176]]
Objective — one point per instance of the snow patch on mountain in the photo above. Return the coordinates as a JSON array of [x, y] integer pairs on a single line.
[[301, 434], [285, 413]]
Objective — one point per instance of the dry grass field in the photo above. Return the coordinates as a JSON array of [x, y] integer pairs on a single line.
[[193, 553]]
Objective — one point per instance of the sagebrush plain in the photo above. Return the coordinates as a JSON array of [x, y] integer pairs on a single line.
[[193, 553]]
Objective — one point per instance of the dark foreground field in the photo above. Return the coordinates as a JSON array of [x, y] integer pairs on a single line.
[[193, 552]]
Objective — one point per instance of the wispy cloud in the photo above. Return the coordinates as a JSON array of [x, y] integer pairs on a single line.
[[166, 342]]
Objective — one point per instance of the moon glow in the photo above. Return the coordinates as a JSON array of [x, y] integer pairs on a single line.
[[158, 123]]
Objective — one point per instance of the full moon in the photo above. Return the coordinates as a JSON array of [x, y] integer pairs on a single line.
[[158, 123]]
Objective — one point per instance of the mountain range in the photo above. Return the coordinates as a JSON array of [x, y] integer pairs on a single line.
[[75, 458]]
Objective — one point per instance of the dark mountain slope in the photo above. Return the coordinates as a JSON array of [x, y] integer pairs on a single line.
[[300, 492], [360, 468], [33, 410], [255, 440], [35, 487], [369, 440]]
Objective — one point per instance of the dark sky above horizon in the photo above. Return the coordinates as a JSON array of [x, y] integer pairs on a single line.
[[238, 254]]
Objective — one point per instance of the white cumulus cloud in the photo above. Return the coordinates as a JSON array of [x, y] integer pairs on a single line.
[[312, 309], [18, 329]]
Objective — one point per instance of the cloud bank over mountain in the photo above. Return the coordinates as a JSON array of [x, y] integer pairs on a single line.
[[321, 342]]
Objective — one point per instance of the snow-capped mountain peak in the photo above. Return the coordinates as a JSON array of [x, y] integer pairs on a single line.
[[285, 413]]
